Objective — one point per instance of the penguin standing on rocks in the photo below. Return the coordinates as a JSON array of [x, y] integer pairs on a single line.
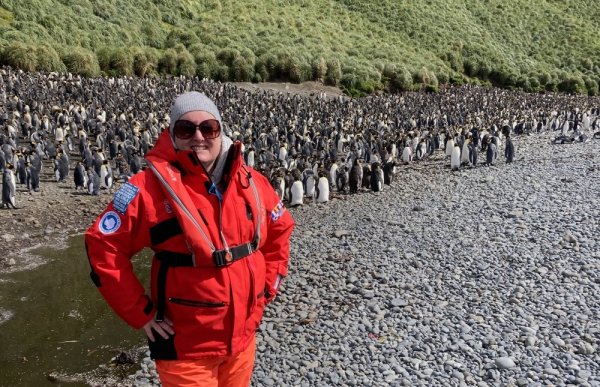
[[341, 178], [491, 152], [455, 158], [288, 180], [484, 141], [449, 146], [106, 175], [93, 186], [278, 183], [464, 155], [96, 161], [354, 178], [309, 183], [9, 188], [472, 154], [112, 149], [366, 176], [421, 150], [56, 169], [80, 176], [68, 144], [333, 173], [21, 169], [250, 157], [33, 178], [388, 171], [376, 177], [135, 164], [496, 140], [509, 148], [407, 154], [36, 162], [322, 188], [2, 160], [283, 155], [63, 166], [297, 191]]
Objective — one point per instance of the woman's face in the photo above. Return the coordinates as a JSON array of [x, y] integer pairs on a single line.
[[207, 150]]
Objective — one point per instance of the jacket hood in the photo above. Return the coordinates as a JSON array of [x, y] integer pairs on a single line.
[[186, 159], [163, 149]]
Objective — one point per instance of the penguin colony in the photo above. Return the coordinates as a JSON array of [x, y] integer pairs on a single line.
[[95, 132]]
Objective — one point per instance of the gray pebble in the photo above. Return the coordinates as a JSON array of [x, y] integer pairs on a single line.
[[505, 362]]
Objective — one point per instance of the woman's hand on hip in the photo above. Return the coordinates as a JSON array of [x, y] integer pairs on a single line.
[[163, 328]]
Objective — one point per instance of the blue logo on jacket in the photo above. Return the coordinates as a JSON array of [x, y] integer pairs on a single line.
[[109, 223]]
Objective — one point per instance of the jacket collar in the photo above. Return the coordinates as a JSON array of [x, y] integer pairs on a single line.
[[187, 162]]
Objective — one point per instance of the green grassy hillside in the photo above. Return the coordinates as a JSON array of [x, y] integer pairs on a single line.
[[359, 45]]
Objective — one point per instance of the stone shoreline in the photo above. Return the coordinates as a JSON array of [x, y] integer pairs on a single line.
[[487, 276]]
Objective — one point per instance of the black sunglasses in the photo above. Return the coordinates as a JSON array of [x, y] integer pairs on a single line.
[[184, 129]]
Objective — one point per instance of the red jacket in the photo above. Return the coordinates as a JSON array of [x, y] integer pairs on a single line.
[[215, 306]]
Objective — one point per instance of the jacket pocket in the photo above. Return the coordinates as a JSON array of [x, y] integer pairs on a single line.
[[196, 303]]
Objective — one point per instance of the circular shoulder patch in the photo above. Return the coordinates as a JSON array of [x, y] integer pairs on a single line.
[[109, 223]]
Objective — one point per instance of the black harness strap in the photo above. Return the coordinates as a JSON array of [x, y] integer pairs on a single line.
[[167, 259], [221, 258], [162, 283], [175, 259], [164, 231]]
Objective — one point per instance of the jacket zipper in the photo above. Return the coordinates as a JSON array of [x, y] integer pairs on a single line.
[[200, 304], [253, 297]]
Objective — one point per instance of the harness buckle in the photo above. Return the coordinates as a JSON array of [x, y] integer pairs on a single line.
[[228, 257], [223, 258]]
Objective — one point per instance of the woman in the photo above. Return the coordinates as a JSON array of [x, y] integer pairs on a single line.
[[220, 236]]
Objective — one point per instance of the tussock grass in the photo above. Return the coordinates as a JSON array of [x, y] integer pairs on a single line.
[[360, 45], [81, 61]]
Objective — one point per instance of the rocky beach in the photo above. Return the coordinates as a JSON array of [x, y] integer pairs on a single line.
[[484, 276], [487, 276]]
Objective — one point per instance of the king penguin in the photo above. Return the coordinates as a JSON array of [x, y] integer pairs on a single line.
[[421, 150], [297, 190], [491, 153], [376, 178], [250, 157], [388, 171], [455, 158], [341, 179], [323, 188], [407, 154], [449, 146], [80, 176], [93, 182], [9, 187], [106, 175], [365, 181], [56, 169], [355, 176], [33, 178], [464, 155], [309, 183], [333, 173], [279, 185]]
